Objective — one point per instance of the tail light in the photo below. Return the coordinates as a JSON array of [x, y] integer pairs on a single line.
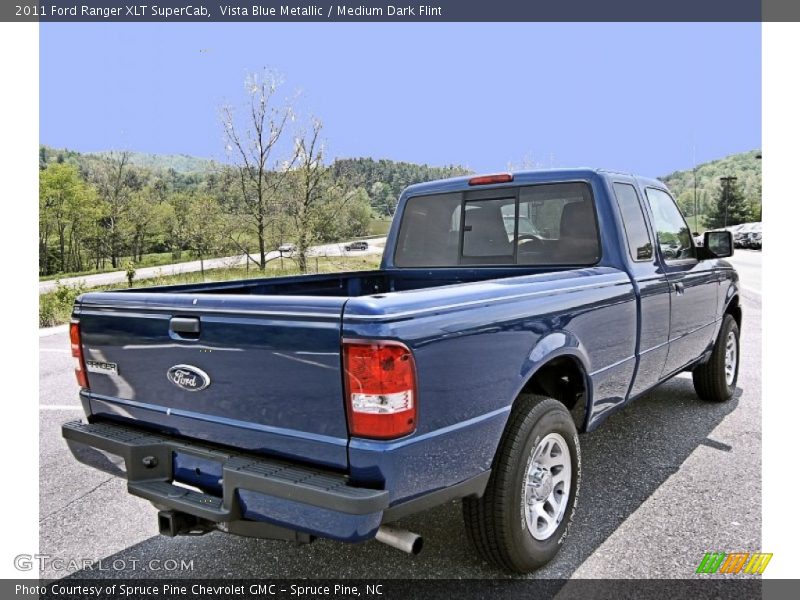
[[381, 388], [77, 354]]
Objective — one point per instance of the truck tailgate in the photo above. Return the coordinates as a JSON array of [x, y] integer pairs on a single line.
[[261, 373]]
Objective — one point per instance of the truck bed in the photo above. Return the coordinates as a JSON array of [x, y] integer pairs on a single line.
[[348, 285]]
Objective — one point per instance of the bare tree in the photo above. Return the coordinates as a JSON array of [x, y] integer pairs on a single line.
[[529, 162], [255, 151], [308, 190], [317, 201]]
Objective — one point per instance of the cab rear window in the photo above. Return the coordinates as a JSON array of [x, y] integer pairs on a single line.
[[543, 224]]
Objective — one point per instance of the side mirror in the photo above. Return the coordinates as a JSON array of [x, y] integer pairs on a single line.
[[717, 244]]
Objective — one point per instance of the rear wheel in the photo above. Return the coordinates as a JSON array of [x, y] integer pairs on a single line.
[[523, 517], [715, 380]]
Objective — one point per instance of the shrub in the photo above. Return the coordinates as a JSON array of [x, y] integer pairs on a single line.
[[55, 307]]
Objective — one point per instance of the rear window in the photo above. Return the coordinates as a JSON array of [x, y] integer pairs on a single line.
[[544, 224]]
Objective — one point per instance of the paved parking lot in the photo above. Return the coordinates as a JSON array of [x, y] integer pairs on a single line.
[[665, 480]]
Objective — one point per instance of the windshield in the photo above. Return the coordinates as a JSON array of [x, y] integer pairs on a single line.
[[544, 224]]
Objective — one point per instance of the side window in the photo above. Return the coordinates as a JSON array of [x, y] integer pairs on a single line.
[[672, 232], [639, 245], [429, 232], [557, 225]]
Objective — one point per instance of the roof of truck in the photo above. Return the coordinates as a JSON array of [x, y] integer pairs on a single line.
[[454, 184]]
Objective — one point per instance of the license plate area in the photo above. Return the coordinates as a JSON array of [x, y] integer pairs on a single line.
[[200, 471]]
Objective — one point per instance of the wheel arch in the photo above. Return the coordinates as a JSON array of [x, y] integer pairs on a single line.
[[734, 308], [564, 377]]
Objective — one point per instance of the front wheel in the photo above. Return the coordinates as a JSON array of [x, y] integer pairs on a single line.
[[523, 517], [715, 380]]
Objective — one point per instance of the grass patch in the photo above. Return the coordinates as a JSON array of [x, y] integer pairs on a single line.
[[55, 308], [155, 259], [379, 226]]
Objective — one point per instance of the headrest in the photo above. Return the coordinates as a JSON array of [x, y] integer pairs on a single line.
[[577, 221]]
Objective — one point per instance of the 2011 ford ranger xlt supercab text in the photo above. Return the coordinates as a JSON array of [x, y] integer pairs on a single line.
[[509, 313]]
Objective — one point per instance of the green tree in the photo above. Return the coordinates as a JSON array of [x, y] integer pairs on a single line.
[[147, 217], [204, 228], [356, 216], [115, 183], [176, 218], [65, 203], [730, 207]]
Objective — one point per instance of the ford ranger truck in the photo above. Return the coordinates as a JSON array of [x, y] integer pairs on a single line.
[[509, 313]]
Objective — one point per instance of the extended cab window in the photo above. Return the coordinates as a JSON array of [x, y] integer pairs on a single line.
[[674, 237], [544, 224], [639, 245], [429, 232]]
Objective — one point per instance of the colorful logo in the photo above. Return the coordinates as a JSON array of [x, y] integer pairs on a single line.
[[735, 562]]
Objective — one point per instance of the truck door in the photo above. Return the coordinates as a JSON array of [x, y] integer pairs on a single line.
[[693, 283], [651, 280]]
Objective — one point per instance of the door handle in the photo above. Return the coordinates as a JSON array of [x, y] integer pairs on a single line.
[[185, 327], [678, 288]]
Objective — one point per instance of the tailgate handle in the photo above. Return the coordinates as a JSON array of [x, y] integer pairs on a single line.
[[185, 326]]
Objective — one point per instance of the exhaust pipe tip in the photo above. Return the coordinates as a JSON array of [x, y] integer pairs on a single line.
[[401, 539]]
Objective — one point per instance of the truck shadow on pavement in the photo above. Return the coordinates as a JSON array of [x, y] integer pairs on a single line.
[[624, 462]]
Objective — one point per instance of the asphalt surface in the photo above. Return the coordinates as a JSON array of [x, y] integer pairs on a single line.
[[227, 262], [664, 481]]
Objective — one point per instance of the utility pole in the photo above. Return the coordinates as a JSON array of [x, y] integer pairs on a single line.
[[694, 169], [726, 189]]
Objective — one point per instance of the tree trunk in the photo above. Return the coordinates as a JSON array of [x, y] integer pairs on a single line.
[[61, 247], [262, 245]]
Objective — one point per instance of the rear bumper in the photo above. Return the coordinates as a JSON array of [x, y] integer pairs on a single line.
[[242, 486]]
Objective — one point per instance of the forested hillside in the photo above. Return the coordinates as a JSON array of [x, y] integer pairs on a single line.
[[385, 179], [109, 209], [746, 189], [117, 209]]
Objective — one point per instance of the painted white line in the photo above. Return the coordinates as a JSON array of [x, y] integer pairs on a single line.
[[60, 407], [44, 332]]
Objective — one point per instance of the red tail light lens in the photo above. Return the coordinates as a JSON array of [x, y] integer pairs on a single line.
[[77, 354], [487, 179], [381, 388]]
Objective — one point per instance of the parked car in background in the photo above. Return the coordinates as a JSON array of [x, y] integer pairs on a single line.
[[740, 234], [737, 236], [356, 246], [752, 238], [287, 248]]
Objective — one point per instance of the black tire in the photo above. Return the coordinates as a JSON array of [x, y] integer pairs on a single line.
[[710, 378], [495, 522]]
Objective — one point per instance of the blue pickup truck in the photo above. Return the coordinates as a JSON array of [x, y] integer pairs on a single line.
[[510, 312]]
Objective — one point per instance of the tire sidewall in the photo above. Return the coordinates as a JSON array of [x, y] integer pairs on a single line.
[[729, 324], [532, 552]]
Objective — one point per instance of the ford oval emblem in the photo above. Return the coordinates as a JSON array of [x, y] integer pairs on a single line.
[[188, 378]]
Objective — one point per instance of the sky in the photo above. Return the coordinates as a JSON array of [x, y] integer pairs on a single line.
[[648, 98]]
